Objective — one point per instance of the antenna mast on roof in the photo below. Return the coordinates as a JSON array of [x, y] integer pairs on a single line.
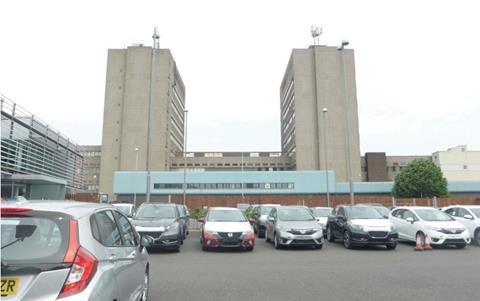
[[316, 32], [156, 39]]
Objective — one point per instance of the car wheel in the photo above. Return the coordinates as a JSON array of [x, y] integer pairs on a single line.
[[461, 246], [347, 240], [276, 241], [476, 238], [392, 247], [330, 237], [144, 296]]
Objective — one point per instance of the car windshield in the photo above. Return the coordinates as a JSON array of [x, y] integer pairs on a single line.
[[295, 214], [475, 211], [433, 215], [156, 211], [265, 210], [363, 213], [226, 216], [383, 211], [36, 237], [322, 212], [124, 209]]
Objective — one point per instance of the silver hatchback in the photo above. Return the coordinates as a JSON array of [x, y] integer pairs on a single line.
[[71, 251]]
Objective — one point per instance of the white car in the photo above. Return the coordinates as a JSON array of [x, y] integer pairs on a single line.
[[469, 216], [441, 228], [126, 208], [225, 227], [321, 215]]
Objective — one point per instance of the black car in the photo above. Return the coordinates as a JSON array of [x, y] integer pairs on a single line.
[[361, 226], [162, 224]]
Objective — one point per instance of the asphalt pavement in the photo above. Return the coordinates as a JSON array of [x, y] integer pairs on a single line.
[[333, 273]]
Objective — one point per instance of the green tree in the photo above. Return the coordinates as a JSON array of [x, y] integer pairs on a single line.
[[421, 178]]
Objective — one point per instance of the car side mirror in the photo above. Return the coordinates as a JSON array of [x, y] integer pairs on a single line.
[[468, 216], [410, 220], [271, 219]]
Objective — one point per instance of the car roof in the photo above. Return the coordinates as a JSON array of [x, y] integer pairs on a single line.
[[415, 207], [160, 204], [123, 204], [73, 208], [293, 207], [469, 206], [224, 208], [269, 205], [322, 208]]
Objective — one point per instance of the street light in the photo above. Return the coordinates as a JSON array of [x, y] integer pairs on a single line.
[[345, 108], [136, 168], [325, 110], [185, 158]]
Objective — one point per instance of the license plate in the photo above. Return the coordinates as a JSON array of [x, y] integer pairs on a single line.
[[302, 237], [454, 236], [9, 286]]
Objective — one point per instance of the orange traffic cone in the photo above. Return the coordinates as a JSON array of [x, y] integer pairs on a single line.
[[427, 247], [418, 246]]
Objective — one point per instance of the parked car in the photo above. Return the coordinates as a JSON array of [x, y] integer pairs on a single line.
[[126, 208], [260, 215], [161, 223], [384, 211], [60, 250], [185, 216], [468, 216], [417, 222], [321, 215], [361, 226], [225, 227], [293, 226], [243, 206]]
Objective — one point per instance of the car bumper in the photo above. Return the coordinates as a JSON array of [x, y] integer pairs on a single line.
[[288, 239], [365, 239], [441, 239], [235, 243], [162, 240]]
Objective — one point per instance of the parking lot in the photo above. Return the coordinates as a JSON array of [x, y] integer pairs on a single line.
[[333, 273]]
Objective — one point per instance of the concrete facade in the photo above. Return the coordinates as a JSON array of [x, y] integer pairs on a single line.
[[126, 112], [458, 163], [314, 80]]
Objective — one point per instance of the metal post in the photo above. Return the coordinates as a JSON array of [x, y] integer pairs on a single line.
[[347, 117], [325, 110], [136, 168], [156, 45], [185, 158], [243, 194]]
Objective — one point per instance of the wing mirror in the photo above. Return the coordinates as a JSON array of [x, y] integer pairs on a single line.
[[410, 220], [271, 219], [468, 216]]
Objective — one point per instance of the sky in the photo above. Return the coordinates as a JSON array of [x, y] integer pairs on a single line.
[[417, 65]]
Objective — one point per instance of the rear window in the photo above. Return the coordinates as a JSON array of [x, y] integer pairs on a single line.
[[47, 243]]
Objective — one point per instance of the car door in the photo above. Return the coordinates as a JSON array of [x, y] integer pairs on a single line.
[[409, 228], [468, 223], [338, 222], [117, 253], [398, 222], [131, 257], [271, 224]]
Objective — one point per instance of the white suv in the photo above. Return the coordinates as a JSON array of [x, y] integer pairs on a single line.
[[469, 216], [417, 222]]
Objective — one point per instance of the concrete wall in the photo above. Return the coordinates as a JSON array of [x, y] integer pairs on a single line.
[[459, 164], [318, 84], [126, 112]]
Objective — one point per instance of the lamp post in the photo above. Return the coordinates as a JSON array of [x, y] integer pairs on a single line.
[[325, 110], [136, 168], [345, 108], [185, 112]]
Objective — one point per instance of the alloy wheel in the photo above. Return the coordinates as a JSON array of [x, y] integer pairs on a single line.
[[330, 237], [276, 241], [347, 240]]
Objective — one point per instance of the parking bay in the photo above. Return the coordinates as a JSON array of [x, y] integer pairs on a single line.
[[333, 273]]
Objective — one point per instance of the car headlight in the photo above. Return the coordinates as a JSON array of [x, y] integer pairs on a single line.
[[211, 232], [171, 228], [249, 232], [356, 227], [438, 229]]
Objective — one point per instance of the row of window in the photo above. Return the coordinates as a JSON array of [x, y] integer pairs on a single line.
[[229, 164], [225, 186]]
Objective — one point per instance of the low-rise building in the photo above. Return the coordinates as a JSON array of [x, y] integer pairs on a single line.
[[458, 163]]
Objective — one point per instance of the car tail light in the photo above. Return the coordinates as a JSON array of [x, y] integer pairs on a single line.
[[14, 210], [83, 267]]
